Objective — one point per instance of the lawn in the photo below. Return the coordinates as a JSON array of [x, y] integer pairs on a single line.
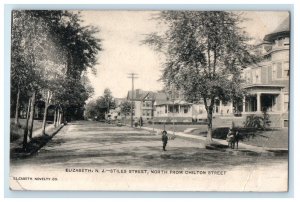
[[177, 128], [277, 138], [18, 131], [272, 139], [37, 124]]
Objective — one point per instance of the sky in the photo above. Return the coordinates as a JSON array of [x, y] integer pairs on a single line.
[[121, 33]]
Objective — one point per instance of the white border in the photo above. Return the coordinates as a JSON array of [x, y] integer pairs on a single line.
[[294, 99]]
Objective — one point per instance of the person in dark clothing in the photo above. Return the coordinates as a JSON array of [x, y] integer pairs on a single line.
[[141, 121], [164, 139]]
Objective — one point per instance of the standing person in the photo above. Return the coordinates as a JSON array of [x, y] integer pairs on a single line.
[[164, 139], [237, 139], [141, 121], [230, 138]]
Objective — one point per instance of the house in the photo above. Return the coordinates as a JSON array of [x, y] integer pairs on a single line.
[[169, 110], [173, 111], [143, 103], [267, 83], [118, 101], [113, 114]]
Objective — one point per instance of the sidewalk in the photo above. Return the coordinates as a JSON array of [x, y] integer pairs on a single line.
[[242, 147]]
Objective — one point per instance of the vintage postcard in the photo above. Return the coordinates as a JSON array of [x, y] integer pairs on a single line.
[[149, 100]]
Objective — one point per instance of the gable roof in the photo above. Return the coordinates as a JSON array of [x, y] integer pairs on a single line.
[[140, 95]]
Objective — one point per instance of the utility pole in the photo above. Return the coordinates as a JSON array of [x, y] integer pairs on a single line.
[[173, 99], [132, 76]]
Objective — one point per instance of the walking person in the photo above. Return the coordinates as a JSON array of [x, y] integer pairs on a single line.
[[164, 139], [141, 122]]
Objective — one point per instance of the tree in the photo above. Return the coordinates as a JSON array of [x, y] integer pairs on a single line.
[[101, 105], [51, 50], [125, 108], [90, 110], [107, 100], [205, 51]]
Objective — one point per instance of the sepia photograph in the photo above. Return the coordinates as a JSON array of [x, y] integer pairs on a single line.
[[149, 100]]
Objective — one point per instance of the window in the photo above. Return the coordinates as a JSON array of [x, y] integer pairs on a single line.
[[285, 123], [245, 76], [171, 109], [273, 71], [279, 70], [146, 104], [248, 77], [256, 76], [286, 102], [185, 109], [286, 70], [280, 41]]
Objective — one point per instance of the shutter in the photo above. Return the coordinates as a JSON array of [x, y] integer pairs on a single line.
[[264, 75], [270, 71], [279, 70]]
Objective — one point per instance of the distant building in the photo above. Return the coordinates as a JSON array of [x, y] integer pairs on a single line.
[[143, 103], [168, 109], [118, 101]]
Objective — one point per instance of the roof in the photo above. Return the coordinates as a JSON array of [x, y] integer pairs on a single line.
[[167, 102], [263, 86], [282, 30], [140, 95], [161, 96], [119, 100]]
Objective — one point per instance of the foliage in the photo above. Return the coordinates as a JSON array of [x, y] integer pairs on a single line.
[[50, 52], [206, 51], [100, 106], [126, 107], [258, 121]]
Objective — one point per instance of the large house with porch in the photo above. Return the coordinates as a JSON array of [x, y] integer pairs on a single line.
[[267, 83]]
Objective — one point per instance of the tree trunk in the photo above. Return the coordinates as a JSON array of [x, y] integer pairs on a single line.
[[58, 117], [26, 125], [17, 108], [45, 113], [61, 117], [209, 125], [31, 118], [55, 115]]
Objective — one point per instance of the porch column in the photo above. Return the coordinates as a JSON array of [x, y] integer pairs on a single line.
[[179, 109], [167, 109], [231, 106], [258, 105], [220, 108], [244, 104]]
